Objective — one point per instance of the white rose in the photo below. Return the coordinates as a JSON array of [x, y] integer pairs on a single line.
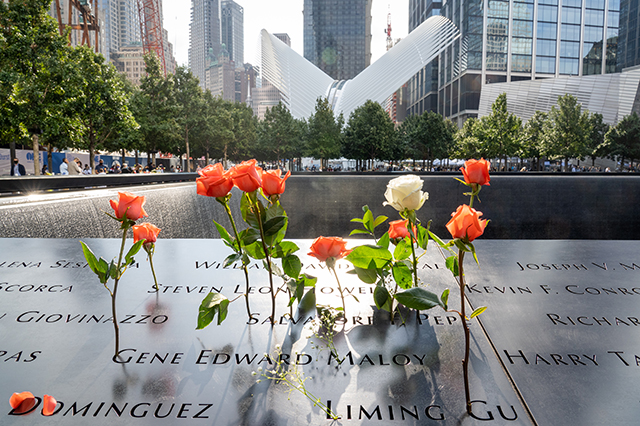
[[405, 192]]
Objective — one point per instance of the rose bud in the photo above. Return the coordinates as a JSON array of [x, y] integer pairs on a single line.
[[324, 248], [405, 193], [129, 205], [214, 181], [145, 231], [466, 224], [272, 183], [398, 229], [476, 171], [246, 176]]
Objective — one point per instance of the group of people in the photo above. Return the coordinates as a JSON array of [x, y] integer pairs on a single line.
[[75, 168]]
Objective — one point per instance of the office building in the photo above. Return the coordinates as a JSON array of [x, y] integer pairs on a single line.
[[337, 36], [204, 36], [266, 95], [513, 41], [232, 27]]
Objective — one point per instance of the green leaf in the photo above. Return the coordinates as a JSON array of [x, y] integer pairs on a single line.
[[110, 270], [284, 249], [452, 264], [249, 236], [402, 275], [384, 241], [478, 311], [90, 257], [359, 231], [273, 225], [291, 265], [223, 233], [369, 276], [418, 298], [255, 250], [275, 269], [403, 250], [460, 245], [367, 221], [444, 298], [368, 256], [423, 237], [356, 219], [308, 301], [133, 251], [379, 221], [438, 240], [472, 249], [382, 298], [275, 210], [309, 280], [212, 304], [231, 259], [246, 208]]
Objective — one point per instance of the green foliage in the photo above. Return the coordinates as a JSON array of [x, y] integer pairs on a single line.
[[567, 130], [325, 133], [531, 143], [368, 222], [212, 304], [429, 137], [369, 134], [623, 139], [279, 135], [418, 298]]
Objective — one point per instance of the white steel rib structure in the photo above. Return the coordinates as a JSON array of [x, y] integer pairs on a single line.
[[302, 83]]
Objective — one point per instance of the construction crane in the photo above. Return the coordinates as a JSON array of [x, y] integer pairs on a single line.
[[151, 29], [86, 22]]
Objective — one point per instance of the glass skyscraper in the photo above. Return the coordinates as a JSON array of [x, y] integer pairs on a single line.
[[232, 24], [505, 41], [204, 36], [337, 36]]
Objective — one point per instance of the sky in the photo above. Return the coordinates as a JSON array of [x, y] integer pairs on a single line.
[[281, 16]]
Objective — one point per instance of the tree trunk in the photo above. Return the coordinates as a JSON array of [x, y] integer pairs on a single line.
[[12, 149], [36, 155], [206, 157], [186, 141], [124, 158], [137, 159], [92, 150], [50, 157], [566, 164]]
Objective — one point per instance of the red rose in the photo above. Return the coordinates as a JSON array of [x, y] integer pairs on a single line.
[[398, 229], [246, 176], [476, 171], [466, 224], [324, 248], [129, 205], [272, 183], [214, 181], [145, 231]]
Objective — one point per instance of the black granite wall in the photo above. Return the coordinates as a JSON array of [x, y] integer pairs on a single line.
[[519, 206]]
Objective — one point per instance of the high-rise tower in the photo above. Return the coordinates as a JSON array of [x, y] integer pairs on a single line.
[[232, 24], [337, 36], [204, 36]]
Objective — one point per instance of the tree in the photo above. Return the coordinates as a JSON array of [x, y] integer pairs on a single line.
[[623, 139], [278, 134], [155, 109], [244, 128], [99, 100], [369, 134], [215, 131], [33, 83], [531, 143], [567, 130], [502, 131], [470, 140], [188, 97], [595, 144], [325, 133]]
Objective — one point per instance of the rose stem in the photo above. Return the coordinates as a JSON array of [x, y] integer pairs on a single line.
[[465, 362], [256, 212], [153, 271], [115, 291], [413, 252], [344, 308], [244, 267]]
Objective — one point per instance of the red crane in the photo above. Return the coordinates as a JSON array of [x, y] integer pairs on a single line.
[[85, 15], [388, 32], [151, 29]]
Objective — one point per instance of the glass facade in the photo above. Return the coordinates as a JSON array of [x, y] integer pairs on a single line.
[[232, 30], [523, 40], [337, 36]]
